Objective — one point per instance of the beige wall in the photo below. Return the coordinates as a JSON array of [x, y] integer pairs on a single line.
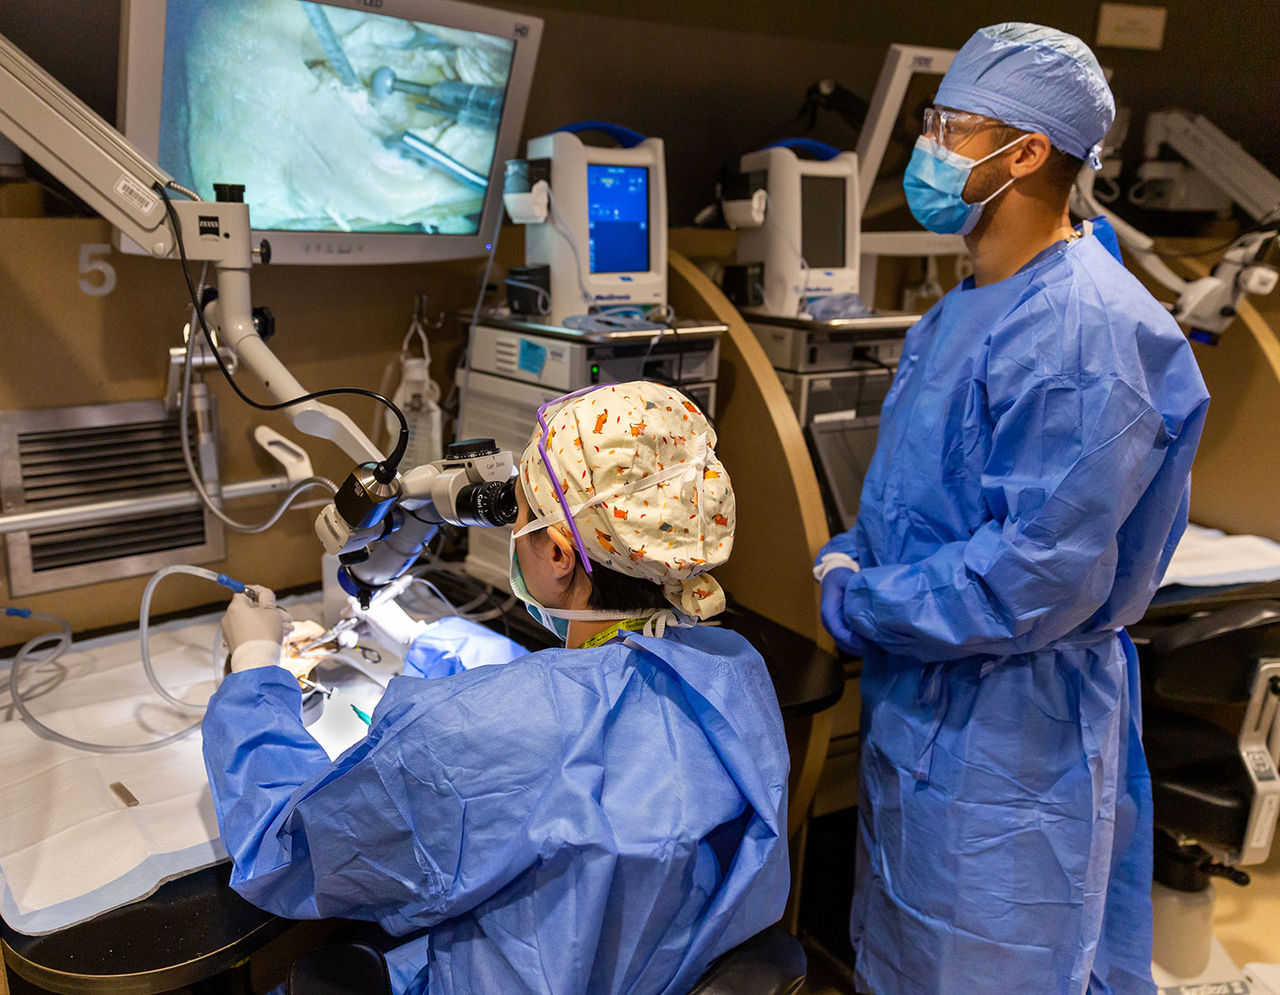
[[336, 326]]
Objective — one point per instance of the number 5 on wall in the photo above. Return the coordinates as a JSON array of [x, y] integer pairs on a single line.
[[90, 265]]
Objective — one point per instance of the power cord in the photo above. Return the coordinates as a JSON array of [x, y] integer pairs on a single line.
[[386, 470], [184, 422]]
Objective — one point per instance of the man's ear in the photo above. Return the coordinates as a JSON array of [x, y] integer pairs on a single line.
[[1031, 155]]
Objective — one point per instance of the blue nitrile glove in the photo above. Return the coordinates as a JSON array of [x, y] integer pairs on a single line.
[[833, 587]]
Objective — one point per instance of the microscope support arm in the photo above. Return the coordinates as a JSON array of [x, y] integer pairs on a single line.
[[1207, 306], [55, 128], [1216, 157], [312, 417], [1085, 204]]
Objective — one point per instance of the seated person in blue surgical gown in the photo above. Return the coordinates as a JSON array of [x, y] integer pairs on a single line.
[[607, 817], [1029, 484]]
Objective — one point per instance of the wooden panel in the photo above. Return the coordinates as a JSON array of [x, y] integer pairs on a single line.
[[781, 522], [1233, 481], [1237, 469], [336, 326]]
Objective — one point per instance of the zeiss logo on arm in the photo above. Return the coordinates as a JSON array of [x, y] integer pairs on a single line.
[[209, 226]]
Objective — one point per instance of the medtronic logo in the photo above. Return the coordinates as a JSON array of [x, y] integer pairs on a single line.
[[208, 226], [613, 297]]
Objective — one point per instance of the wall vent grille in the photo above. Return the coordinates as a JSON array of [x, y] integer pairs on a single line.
[[60, 457]]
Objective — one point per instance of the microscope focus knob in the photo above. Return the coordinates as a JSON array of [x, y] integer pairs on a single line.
[[470, 448]]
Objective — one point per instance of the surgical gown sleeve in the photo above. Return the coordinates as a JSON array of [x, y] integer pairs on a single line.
[[452, 645], [1071, 454], [421, 819]]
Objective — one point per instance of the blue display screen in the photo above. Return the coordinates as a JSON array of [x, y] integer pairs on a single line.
[[618, 218]]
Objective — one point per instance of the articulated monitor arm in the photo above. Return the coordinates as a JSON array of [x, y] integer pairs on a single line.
[[96, 162]]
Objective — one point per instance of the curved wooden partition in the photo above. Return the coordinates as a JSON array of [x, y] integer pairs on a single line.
[[781, 522], [1234, 479]]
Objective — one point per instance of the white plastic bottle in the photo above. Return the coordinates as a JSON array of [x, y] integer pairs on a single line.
[[418, 397]]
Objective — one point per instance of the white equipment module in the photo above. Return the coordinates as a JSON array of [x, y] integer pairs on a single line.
[[807, 239], [605, 239]]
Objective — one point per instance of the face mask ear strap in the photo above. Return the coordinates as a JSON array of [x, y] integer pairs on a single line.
[[555, 532], [1003, 148], [1007, 183]]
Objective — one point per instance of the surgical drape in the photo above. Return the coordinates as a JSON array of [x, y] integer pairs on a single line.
[[599, 820]]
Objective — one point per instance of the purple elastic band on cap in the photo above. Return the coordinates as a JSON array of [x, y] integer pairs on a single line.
[[542, 451]]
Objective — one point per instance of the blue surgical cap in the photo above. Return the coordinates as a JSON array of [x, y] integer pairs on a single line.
[[1033, 78]]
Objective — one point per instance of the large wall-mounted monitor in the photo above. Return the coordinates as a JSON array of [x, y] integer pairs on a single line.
[[362, 133], [606, 241]]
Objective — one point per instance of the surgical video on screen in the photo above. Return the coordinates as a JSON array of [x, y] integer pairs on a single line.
[[618, 218], [333, 119]]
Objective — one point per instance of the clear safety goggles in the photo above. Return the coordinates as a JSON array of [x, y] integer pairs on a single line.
[[951, 128]]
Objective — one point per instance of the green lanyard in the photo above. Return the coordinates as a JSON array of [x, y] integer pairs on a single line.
[[602, 637]]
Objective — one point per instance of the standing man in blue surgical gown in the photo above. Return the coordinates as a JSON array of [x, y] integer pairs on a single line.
[[1029, 485]]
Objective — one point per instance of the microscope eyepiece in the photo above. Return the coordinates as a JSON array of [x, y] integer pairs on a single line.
[[492, 503]]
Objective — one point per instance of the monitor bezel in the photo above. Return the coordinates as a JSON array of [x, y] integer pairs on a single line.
[[807, 202], [789, 281], [142, 37], [561, 242], [900, 66], [834, 479]]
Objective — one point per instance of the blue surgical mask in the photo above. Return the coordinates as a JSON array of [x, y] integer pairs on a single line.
[[558, 626], [934, 184]]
